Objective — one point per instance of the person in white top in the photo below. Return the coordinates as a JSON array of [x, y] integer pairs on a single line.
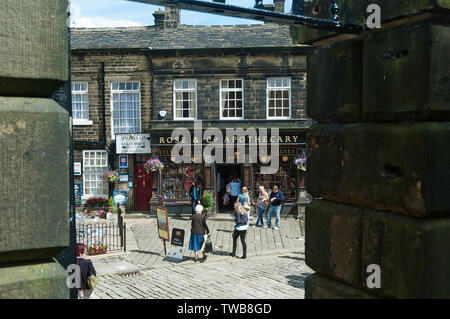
[[240, 229]]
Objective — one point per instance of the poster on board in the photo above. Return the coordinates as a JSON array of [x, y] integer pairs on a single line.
[[163, 223]]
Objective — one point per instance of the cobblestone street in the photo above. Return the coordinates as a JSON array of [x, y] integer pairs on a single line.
[[266, 277], [274, 267]]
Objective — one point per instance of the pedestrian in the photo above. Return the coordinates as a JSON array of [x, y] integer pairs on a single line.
[[240, 229], [235, 190], [276, 198], [244, 199], [262, 204], [198, 229], [86, 270], [195, 194]]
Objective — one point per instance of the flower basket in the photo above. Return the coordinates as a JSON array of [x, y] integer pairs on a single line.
[[301, 163], [153, 165], [97, 249], [95, 202], [110, 177]]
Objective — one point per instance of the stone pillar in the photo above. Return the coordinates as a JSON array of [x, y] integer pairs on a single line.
[[34, 149], [172, 18], [378, 157]]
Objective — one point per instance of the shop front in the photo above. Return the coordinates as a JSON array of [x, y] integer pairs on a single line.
[[177, 178]]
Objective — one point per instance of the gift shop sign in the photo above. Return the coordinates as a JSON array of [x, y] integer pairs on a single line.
[[133, 144]]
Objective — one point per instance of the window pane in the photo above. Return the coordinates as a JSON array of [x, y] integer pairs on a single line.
[[271, 112], [239, 84], [224, 84], [286, 112], [239, 95], [286, 94], [239, 113]]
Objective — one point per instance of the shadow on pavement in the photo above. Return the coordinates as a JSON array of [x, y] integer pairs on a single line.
[[290, 257], [297, 281], [225, 230]]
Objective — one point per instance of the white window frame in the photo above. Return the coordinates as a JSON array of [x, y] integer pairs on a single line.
[[81, 92], [138, 91], [275, 88], [87, 196], [221, 90], [175, 90]]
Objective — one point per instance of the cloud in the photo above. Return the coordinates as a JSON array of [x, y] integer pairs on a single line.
[[78, 21]]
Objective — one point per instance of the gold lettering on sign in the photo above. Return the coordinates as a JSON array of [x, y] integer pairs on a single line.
[[295, 138], [195, 140], [161, 140], [288, 139], [169, 140], [280, 139]]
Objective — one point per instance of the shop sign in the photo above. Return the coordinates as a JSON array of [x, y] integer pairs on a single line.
[[163, 223], [133, 144], [77, 193], [77, 168], [123, 161], [177, 237], [120, 198]]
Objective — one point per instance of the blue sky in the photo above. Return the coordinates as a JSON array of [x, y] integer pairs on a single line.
[[122, 13]]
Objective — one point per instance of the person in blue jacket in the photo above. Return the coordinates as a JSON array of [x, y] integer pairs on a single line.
[[276, 198], [195, 194]]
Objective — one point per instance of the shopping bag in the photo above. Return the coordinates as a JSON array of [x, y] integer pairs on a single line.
[[208, 245]]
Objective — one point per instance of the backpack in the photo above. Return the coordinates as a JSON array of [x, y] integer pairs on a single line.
[[241, 219]]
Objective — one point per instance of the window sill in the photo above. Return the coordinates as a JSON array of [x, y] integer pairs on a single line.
[[81, 122]]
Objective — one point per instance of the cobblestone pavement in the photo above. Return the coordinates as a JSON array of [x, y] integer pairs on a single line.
[[260, 277], [145, 249]]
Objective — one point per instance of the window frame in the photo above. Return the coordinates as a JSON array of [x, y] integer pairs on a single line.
[[230, 90], [83, 121], [138, 91], [87, 196], [289, 89], [175, 90]]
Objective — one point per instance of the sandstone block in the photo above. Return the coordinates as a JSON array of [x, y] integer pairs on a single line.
[[407, 73], [401, 168], [34, 175], [34, 49], [413, 254], [333, 240], [320, 287], [335, 84]]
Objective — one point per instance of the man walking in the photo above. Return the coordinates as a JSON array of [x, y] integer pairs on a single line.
[[235, 190], [276, 198]]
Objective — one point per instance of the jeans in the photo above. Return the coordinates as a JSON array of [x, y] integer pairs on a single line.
[[233, 200], [193, 204], [261, 211], [277, 211], [236, 234]]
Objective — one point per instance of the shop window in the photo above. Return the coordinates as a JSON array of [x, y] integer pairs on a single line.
[[125, 107], [285, 178], [185, 99], [95, 164], [231, 99], [80, 103], [177, 180], [279, 98]]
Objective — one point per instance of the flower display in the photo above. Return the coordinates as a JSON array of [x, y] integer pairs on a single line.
[[154, 165], [111, 176], [301, 163], [97, 249]]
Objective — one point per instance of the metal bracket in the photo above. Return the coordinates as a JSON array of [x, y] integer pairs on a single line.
[[295, 18]]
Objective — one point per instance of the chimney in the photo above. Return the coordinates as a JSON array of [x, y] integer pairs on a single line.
[[159, 18], [172, 18], [279, 5]]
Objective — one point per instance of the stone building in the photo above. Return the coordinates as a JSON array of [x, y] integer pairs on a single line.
[[152, 80]]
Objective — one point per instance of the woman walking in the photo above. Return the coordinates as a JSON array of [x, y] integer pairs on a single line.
[[86, 270], [240, 229], [198, 229], [261, 204]]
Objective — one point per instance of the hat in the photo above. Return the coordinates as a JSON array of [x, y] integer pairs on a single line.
[[198, 208]]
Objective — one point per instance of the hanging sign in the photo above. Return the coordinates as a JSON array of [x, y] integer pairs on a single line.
[[123, 161], [77, 168]]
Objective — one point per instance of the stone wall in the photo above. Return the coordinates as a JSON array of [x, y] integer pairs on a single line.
[[378, 158], [34, 149]]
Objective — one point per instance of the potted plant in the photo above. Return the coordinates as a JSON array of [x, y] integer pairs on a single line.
[[207, 202], [97, 249]]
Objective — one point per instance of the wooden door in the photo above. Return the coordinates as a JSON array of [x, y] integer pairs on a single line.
[[143, 184]]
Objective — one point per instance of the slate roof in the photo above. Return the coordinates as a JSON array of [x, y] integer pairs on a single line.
[[183, 37]]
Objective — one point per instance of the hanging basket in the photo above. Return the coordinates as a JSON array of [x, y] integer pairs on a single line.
[[154, 165], [301, 163], [110, 177]]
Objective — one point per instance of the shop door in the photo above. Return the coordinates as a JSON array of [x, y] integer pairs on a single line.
[[143, 183]]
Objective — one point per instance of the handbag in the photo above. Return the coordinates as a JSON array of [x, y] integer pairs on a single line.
[[208, 245], [92, 279]]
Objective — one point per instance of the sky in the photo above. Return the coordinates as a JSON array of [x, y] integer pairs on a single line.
[[122, 13]]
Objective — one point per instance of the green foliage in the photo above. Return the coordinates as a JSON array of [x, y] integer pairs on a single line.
[[110, 202], [207, 201]]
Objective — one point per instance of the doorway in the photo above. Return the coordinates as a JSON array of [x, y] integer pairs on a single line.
[[143, 188], [225, 174]]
